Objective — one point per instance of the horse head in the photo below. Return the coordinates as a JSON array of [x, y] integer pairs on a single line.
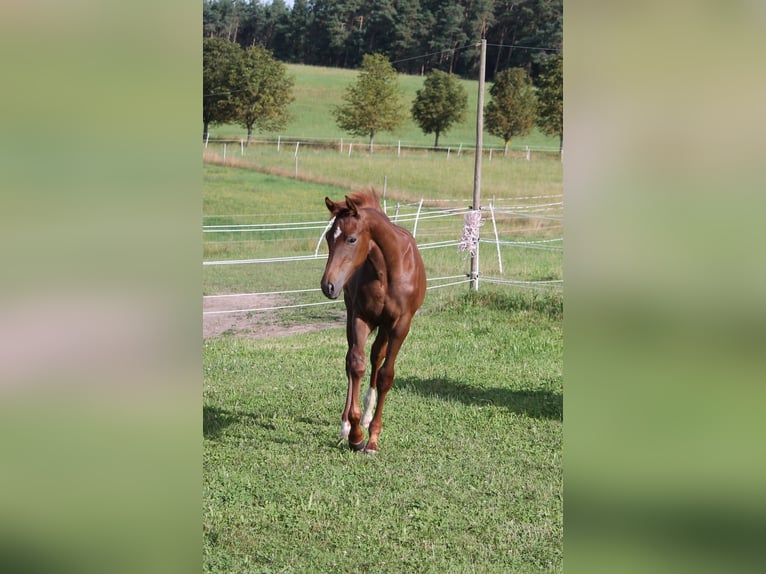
[[348, 241]]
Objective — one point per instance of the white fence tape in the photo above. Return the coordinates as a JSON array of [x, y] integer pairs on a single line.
[[522, 211]]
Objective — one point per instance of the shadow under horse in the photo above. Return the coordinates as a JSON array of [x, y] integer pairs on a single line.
[[379, 270]]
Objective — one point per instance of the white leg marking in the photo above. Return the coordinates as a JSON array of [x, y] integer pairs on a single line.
[[345, 428], [370, 402]]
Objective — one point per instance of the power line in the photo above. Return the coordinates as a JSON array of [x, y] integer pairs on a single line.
[[445, 51], [518, 47], [225, 93], [451, 50]]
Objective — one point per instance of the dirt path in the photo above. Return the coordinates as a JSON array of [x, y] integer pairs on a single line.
[[253, 325]]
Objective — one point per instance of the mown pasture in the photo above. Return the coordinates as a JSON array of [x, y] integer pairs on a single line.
[[469, 475]]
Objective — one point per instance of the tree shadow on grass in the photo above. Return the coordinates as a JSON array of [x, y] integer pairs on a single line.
[[538, 404]]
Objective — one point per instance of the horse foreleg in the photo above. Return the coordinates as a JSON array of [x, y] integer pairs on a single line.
[[345, 425], [385, 379], [358, 331]]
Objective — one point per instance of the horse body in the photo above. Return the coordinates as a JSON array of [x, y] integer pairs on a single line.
[[377, 267]]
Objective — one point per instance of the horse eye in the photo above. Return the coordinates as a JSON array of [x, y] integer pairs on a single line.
[[351, 240]]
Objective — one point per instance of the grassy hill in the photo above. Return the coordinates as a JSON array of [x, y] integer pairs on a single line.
[[317, 90]]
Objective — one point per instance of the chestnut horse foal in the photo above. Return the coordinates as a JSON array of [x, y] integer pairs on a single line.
[[377, 266]]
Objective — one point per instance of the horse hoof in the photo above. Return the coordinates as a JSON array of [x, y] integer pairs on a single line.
[[358, 446], [371, 449]]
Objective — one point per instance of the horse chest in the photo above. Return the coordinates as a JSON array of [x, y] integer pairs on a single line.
[[371, 300]]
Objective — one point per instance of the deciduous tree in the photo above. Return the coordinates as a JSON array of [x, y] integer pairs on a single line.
[[512, 109], [372, 104], [440, 103], [221, 69], [550, 98], [264, 94]]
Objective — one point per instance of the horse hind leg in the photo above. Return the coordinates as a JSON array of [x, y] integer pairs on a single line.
[[386, 381], [377, 353], [370, 402]]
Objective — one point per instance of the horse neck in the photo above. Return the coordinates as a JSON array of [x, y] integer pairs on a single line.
[[387, 239]]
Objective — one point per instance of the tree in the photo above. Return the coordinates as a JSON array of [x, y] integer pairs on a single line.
[[336, 25], [297, 42], [265, 91], [221, 65], [371, 104], [221, 18], [513, 108], [527, 23], [444, 32], [447, 34], [440, 103], [478, 18], [550, 96]]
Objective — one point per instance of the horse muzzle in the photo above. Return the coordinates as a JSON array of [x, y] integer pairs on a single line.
[[331, 290]]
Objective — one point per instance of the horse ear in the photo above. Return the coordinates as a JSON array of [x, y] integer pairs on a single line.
[[352, 206], [331, 205]]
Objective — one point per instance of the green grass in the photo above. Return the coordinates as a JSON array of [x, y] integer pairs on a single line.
[[413, 175], [317, 90], [468, 478]]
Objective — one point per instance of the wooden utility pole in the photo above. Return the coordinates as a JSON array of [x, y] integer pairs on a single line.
[[474, 276]]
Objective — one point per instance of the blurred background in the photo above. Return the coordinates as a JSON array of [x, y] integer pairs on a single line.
[[100, 369], [664, 316]]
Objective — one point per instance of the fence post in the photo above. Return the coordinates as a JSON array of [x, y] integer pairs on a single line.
[[497, 239], [341, 145], [241, 147], [417, 216], [399, 149], [385, 184], [349, 148], [207, 138], [474, 273], [527, 153], [459, 150], [279, 141], [326, 229], [224, 151], [396, 212]]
